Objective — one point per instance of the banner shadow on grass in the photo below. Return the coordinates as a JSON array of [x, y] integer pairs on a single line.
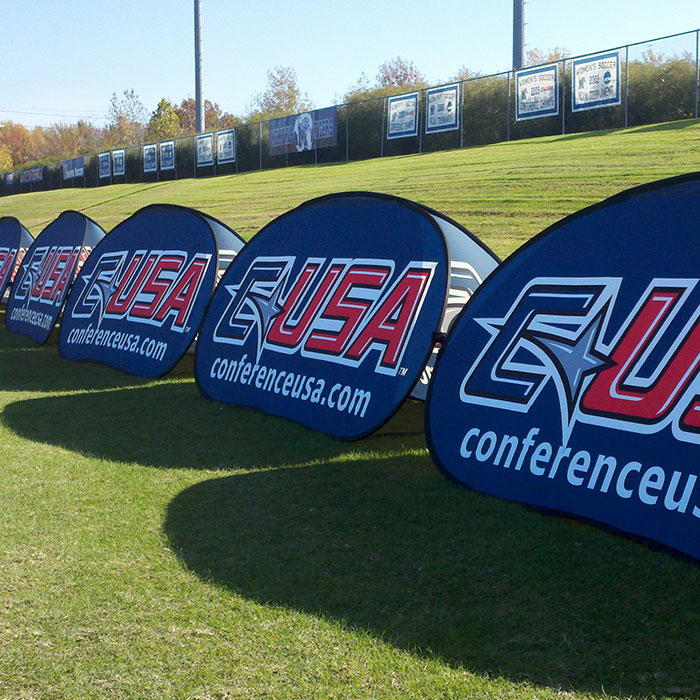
[[389, 546], [170, 425]]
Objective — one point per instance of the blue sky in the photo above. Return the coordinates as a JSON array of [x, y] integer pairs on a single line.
[[64, 60]]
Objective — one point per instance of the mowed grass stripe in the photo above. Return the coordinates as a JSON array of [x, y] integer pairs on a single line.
[[157, 545]]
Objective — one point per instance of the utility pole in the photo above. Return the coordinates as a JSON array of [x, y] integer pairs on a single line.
[[198, 101], [518, 34]]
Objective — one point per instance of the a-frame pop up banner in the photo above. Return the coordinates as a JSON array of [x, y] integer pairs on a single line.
[[15, 241], [571, 380], [140, 298], [45, 276], [330, 313]]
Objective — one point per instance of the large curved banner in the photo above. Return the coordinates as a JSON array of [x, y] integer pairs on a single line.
[[45, 276], [15, 241], [141, 296], [328, 315], [571, 381]]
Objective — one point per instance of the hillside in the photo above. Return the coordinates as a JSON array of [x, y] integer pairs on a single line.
[[504, 192]]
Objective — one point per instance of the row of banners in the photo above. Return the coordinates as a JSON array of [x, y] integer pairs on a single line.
[[568, 376], [595, 79]]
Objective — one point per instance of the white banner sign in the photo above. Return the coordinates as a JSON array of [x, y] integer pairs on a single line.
[[442, 109], [205, 150], [403, 116], [226, 146], [118, 163], [150, 158], [537, 92], [167, 155], [596, 81]]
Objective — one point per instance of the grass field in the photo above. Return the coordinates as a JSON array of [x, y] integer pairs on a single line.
[[157, 545]]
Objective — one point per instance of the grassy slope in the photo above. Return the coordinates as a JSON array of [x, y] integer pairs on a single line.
[[153, 544]]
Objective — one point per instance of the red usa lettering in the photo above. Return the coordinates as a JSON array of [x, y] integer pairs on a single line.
[[48, 274], [339, 310], [145, 286]]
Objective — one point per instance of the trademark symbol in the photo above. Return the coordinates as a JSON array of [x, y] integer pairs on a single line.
[[403, 371]]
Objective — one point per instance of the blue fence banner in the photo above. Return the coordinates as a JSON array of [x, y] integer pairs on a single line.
[[150, 158], [104, 165], [226, 146], [537, 92], [596, 81], [402, 120], [140, 298], [15, 241], [27, 177], [328, 315], [74, 167], [45, 276], [571, 380], [205, 150], [304, 132], [167, 155], [442, 109], [118, 163]]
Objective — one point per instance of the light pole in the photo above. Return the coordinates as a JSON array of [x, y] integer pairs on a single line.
[[518, 34], [198, 101]]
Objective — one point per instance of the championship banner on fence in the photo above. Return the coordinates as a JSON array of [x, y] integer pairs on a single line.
[[226, 146], [150, 158], [104, 165], [304, 132], [167, 155], [442, 109], [571, 381], [139, 299], [537, 92], [402, 116], [75, 167], [10, 179], [328, 315], [205, 150], [596, 81], [47, 272], [118, 163], [15, 241]]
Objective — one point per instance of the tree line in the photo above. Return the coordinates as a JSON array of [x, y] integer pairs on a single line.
[[661, 88]]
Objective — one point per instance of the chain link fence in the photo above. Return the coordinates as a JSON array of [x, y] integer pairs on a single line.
[[660, 82]]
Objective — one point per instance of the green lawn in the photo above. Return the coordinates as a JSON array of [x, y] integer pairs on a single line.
[[157, 545]]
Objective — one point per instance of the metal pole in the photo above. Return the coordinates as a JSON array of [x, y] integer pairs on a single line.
[[627, 84], [508, 116], [697, 70], [260, 142], [199, 103], [461, 117], [347, 133], [425, 117], [563, 97], [518, 34], [383, 120], [194, 160]]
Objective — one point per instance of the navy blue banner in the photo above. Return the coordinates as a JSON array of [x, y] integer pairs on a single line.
[[141, 296], [327, 316], [75, 167], [15, 241], [47, 272], [571, 381]]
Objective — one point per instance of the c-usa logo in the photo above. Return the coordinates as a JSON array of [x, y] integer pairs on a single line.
[[641, 377], [336, 310]]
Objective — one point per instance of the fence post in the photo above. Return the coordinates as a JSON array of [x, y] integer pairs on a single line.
[[347, 133], [697, 70], [461, 115], [508, 111], [260, 142], [563, 96], [425, 118], [627, 84], [381, 152]]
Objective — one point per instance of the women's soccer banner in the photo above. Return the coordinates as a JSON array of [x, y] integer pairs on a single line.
[[537, 92], [403, 116], [596, 81]]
